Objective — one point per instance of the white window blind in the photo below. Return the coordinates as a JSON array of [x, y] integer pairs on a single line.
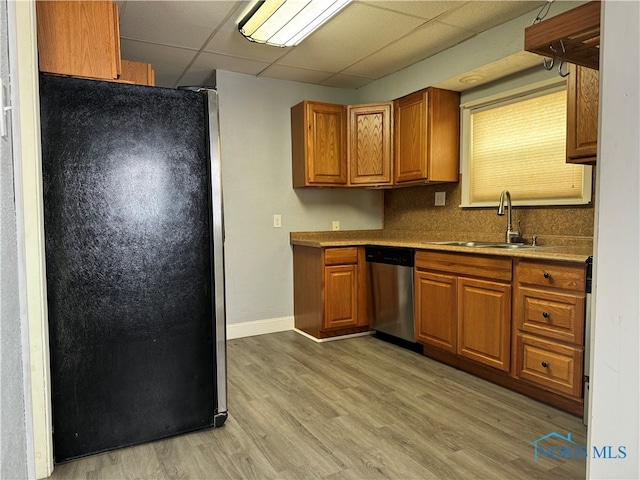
[[520, 145]]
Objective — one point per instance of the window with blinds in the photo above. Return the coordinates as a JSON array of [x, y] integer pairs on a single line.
[[519, 144]]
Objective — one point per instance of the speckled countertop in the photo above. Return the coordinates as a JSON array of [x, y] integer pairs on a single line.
[[561, 248]]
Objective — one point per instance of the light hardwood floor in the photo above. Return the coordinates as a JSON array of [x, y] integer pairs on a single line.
[[350, 409]]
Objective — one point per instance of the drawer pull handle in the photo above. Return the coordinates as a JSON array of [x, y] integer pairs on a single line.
[[546, 275], [545, 364], [545, 314]]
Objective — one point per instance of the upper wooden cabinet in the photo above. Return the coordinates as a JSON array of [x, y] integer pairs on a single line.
[[413, 140], [338, 145], [582, 114], [370, 143], [318, 144], [79, 38], [137, 72], [427, 137]]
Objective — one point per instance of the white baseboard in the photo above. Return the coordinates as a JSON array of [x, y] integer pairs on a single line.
[[332, 339], [259, 327]]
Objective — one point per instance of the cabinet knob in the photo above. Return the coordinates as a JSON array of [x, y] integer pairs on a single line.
[[545, 364], [546, 275], [545, 314]]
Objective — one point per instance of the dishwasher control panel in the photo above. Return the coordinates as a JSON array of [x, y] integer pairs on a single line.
[[390, 255]]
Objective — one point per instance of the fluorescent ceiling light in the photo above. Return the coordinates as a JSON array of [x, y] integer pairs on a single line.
[[285, 23]]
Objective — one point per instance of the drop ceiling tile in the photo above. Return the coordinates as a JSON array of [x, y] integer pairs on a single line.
[[206, 62], [296, 74], [182, 24], [346, 81], [425, 10], [194, 78], [356, 32], [168, 62], [518, 62], [481, 16], [394, 30], [431, 38]]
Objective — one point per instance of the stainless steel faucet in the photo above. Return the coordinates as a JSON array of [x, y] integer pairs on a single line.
[[511, 236]]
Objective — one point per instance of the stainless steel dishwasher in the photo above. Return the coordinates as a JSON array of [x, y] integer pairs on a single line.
[[391, 291]]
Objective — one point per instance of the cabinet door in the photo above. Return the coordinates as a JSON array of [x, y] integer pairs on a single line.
[[582, 114], [410, 127], [369, 150], [138, 73], [318, 144], [427, 137], [435, 310], [78, 38], [484, 313], [341, 298]]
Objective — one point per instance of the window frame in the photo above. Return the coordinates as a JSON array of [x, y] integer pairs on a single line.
[[500, 99]]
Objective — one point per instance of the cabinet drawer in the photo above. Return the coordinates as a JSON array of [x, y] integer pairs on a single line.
[[497, 268], [554, 315], [551, 365], [341, 256], [557, 275]]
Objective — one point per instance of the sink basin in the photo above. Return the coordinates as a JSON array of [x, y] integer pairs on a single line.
[[477, 243], [481, 244], [462, 244]]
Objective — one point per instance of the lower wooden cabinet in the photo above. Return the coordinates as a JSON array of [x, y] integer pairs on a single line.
[[458, 311], [329, 290], [549, 322], [516, 322], [435, 309], [484, 322]]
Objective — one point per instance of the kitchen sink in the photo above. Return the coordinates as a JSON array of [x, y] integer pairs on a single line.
[[481, 244]]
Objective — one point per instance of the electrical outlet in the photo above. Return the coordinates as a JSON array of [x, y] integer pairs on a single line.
[[277, 221], [335, 225], [440, 199]]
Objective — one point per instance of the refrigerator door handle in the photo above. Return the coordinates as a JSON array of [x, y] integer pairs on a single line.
[[218, 258]]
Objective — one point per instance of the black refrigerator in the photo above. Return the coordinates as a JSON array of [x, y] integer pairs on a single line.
[[134, 263]]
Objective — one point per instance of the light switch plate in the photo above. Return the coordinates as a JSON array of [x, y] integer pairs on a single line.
[[440, 199], [335, 225]]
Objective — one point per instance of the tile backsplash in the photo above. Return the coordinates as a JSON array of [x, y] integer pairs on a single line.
[[413, 209]]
